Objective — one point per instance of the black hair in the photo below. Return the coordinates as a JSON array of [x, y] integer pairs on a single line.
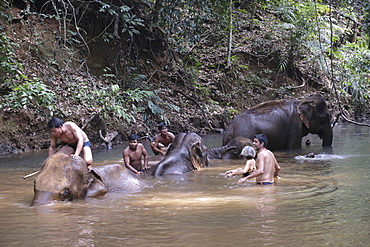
[[262, 138], [161, 126], [133, 137], [55, 122]]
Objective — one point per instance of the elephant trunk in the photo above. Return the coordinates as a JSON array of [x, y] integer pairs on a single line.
[[43, 197], [327, 138]]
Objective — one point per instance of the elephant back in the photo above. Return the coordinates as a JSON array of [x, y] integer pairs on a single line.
[[117, 178]]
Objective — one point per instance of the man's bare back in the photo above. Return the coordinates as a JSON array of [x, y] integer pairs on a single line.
[[70, 134], [266, 160]]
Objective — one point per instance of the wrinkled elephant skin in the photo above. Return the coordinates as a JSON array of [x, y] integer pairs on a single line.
[[187, 153], [62, 178], [231, 150], [284, 122]]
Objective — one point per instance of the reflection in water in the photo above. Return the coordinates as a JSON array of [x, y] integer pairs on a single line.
[[321, 201]]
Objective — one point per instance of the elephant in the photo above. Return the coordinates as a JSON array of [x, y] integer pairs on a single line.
[[187, 153], [63, 178], [284, 122], [231, 150]]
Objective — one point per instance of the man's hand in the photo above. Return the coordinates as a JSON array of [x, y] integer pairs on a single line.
[[228, 174], [242, 180], [74, 156]]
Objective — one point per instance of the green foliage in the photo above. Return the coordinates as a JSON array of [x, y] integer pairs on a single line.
[[354, 70], [19, 91], [30, 94], [11, 68], [185, 21]]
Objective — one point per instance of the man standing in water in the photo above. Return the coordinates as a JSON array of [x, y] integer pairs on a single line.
[[133, 153], [71, 134], [162, 140], [267, 166]]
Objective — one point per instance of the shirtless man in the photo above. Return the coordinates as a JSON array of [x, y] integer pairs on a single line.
[[267, 166], [162, 140], [132, 155], [71, 134]]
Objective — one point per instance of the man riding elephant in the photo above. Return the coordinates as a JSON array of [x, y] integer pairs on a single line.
[[63, 178]]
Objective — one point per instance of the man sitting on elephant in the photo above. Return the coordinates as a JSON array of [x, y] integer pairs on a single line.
[[71, 134], [267, 166], [162, 140], [133, 153]]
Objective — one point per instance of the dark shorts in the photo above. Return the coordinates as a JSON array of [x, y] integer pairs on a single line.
[[264, 183], [246, 174], [86, 144]]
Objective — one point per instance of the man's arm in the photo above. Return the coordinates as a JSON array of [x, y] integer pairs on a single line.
[[259, 171], [172, 136], [146, 157], [277, 168], [247, 168], [155, 146], [53, 145]]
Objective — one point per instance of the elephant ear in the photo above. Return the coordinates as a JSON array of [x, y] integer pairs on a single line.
[[197, 157], [305, 111]]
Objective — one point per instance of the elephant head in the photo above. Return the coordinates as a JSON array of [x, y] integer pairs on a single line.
[[65, 179], [187, 153], [231, 150], [314, 114]]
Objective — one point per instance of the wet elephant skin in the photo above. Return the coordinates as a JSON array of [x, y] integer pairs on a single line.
[[284, 122]]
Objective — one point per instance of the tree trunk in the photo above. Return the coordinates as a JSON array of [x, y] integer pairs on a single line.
[[230, 35]]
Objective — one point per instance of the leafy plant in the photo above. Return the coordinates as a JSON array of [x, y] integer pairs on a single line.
[[31, 93], [11, 68]]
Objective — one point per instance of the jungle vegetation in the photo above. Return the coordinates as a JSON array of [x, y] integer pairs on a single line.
[[145, 61]]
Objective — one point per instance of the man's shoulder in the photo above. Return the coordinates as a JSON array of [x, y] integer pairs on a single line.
[[126, 150], [264, 152], [71, 125], [158, 136]]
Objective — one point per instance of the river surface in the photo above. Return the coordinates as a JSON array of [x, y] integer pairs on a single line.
[[321, 201]]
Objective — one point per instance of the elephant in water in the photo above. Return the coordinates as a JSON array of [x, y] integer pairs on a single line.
[[231, 150], [284, 122], [187, 153], [65, 179]]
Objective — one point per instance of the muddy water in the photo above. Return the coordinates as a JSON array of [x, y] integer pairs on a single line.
[[324, 201]]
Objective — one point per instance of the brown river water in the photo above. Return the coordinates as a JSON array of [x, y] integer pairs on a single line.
[[323, 201]]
